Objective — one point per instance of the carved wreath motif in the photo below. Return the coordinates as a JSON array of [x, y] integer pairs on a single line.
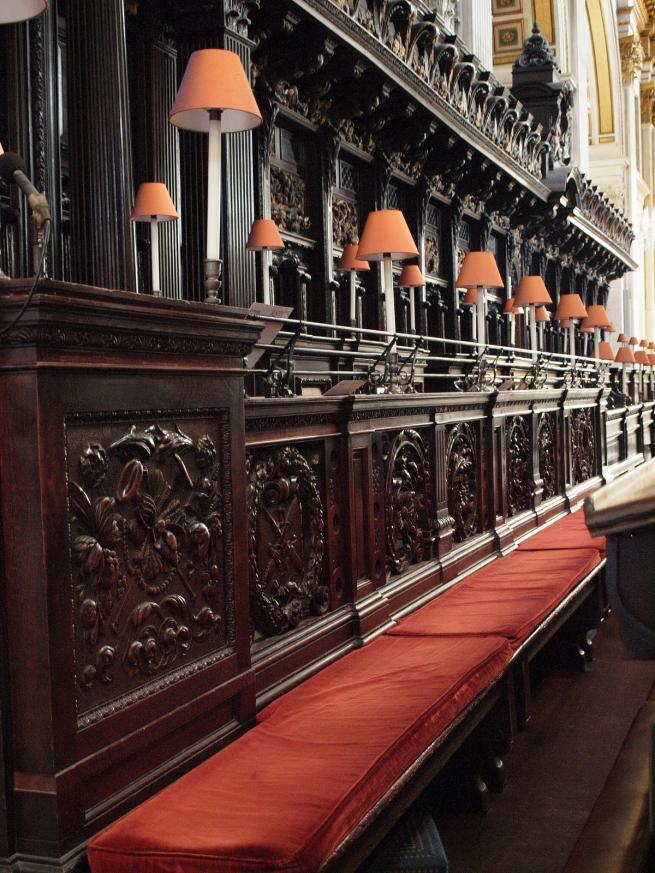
[[520, 483], [583, 445], [408, 525], [285, 534], [146, 522], [547, 457], [462, 481]]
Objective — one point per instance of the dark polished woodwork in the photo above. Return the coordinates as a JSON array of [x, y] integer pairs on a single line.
[[124, 571]]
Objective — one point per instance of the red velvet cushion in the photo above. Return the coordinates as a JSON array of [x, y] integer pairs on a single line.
[[509, 597], [284, 796], [570, 532]]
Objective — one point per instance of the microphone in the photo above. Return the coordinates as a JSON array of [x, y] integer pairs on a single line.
[[13, 169]]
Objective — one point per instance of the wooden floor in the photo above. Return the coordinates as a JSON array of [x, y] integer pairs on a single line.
[[556, 769]]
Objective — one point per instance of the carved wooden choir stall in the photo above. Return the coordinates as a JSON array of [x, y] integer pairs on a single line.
[[206, 530]]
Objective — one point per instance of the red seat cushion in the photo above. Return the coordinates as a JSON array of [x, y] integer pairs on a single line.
[[284, 796], [570, 532], [509, 597]]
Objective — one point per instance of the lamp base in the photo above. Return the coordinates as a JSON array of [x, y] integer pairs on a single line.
[[213, 281]]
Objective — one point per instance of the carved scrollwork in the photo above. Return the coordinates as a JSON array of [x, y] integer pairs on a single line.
[[286, 541], [462, 481], [408, 524], [520, 483], [146, 514], [583, 445], [546, 447]]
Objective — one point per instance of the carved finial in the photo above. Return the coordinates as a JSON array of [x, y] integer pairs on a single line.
[[536, 51]]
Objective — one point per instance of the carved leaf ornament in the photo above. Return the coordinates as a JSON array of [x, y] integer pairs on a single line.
[[583, 445], [462, 481], [407, 516], [286, 542], [146, 540], [547, 460], [520, 484]]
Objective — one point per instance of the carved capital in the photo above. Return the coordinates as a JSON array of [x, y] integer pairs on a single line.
[[632, 57], [647, 96]]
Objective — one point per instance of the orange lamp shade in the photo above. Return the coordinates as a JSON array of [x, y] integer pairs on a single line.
[[470, 298], [624, 356], [633, 341], [215, 79], [570, 306], [479, 270], [510, 306], [153, 202], [605, 352], [564, 322], [350, 261], [597, 316], [643, 344], [542, 314], [386, 235], [585, 328], [531, 291], [651, 358], [411, 277], [642, 358], [622, 338], [263, 236], [12, 11]]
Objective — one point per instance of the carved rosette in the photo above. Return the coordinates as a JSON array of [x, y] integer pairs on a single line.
[[462, 481], [546, 447], [286, 524], [520, 484], [407, 516], [149, 568], [583, 445]]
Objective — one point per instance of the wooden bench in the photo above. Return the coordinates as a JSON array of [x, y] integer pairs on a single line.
[[332, 764]]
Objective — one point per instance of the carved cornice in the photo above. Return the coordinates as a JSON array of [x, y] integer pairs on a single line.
[[411, 45], [65, 336]]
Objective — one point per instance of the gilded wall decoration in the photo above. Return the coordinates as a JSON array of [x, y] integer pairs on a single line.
[[288, 201], [149, 533], [583, 445], [408, 515], [462, 481], [286, 522], [547, 450], [520, 483]]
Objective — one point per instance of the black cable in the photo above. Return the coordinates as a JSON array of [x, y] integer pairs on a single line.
[[35, 284]]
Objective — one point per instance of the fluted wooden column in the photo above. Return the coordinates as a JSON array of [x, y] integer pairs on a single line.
[[216, 25], [100, 145]]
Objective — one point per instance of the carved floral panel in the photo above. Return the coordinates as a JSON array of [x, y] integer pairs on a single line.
[[520, 483], [286, 522], [150, 537], [547, 449], [407, 503], [462, 481], [583, 445]]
